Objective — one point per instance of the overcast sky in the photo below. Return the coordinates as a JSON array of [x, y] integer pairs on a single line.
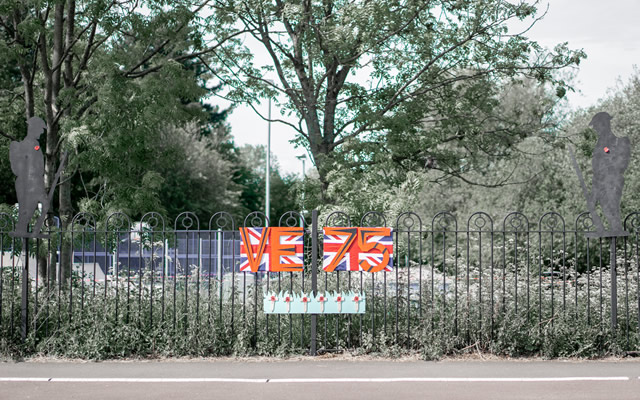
[[608, 31]]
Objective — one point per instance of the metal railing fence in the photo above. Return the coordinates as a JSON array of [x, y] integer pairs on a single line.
[[461, 277]]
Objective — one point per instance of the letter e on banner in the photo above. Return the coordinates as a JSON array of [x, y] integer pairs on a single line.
[[286, 249]]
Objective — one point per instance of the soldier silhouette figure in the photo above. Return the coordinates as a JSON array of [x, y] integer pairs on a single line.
[[610, 160], [27, 163]]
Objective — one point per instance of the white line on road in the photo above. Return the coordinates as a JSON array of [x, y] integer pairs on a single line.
[[365, 380], [134, 380], [310, 380]]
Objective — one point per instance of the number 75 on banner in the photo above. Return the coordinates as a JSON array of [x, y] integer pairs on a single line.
[[357, 249]]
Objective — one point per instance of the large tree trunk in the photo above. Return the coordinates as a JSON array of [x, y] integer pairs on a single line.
[[66, 215], [66, 209], [28, 91], [52, 72], [323, 166]]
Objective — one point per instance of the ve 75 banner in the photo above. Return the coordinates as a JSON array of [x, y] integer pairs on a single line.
[[280, 249]]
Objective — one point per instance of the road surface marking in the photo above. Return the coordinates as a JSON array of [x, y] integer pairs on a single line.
[[310, 380], [375, 380]]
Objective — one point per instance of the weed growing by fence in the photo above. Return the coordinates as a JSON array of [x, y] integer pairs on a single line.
[[103, 327]]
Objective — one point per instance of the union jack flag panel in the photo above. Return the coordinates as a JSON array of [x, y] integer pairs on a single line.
[[271, 249], [358, 249], [287, 256]]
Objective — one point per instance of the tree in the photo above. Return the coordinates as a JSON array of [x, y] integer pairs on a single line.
[[484, 143], [11, 119], [484, 173], [355, 72], [622, 103], [541, 171], [82, 66], [170, 171], [69, 54]]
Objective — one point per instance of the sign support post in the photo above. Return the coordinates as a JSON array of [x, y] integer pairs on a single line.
[[25, 289], [314, 278], [614, 287]]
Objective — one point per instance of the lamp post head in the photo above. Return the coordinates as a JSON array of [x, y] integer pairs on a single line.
[[303, 158]]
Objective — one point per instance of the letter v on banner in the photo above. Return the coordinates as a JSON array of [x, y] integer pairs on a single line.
[[254, 258]]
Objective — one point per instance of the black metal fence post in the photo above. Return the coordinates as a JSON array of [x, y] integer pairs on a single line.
[[614, 288], [314, 277], [25, 289]]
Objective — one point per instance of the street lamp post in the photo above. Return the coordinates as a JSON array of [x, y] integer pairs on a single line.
[[267, 200], [302, 158]]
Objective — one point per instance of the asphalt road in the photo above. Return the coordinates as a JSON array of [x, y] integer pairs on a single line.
[[321, 379]]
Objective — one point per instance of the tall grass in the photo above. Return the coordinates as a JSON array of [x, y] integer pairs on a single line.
[[80, 320]]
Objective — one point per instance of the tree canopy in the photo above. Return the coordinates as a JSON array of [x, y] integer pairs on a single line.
[[363, 77], [543, 176], [392, 98], [97, 72]]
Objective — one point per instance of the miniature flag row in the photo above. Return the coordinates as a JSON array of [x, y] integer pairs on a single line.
[[280, 249], [324, 303]]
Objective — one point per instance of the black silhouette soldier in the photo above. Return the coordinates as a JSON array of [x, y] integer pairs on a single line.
[[610, 160], [27, 163]]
